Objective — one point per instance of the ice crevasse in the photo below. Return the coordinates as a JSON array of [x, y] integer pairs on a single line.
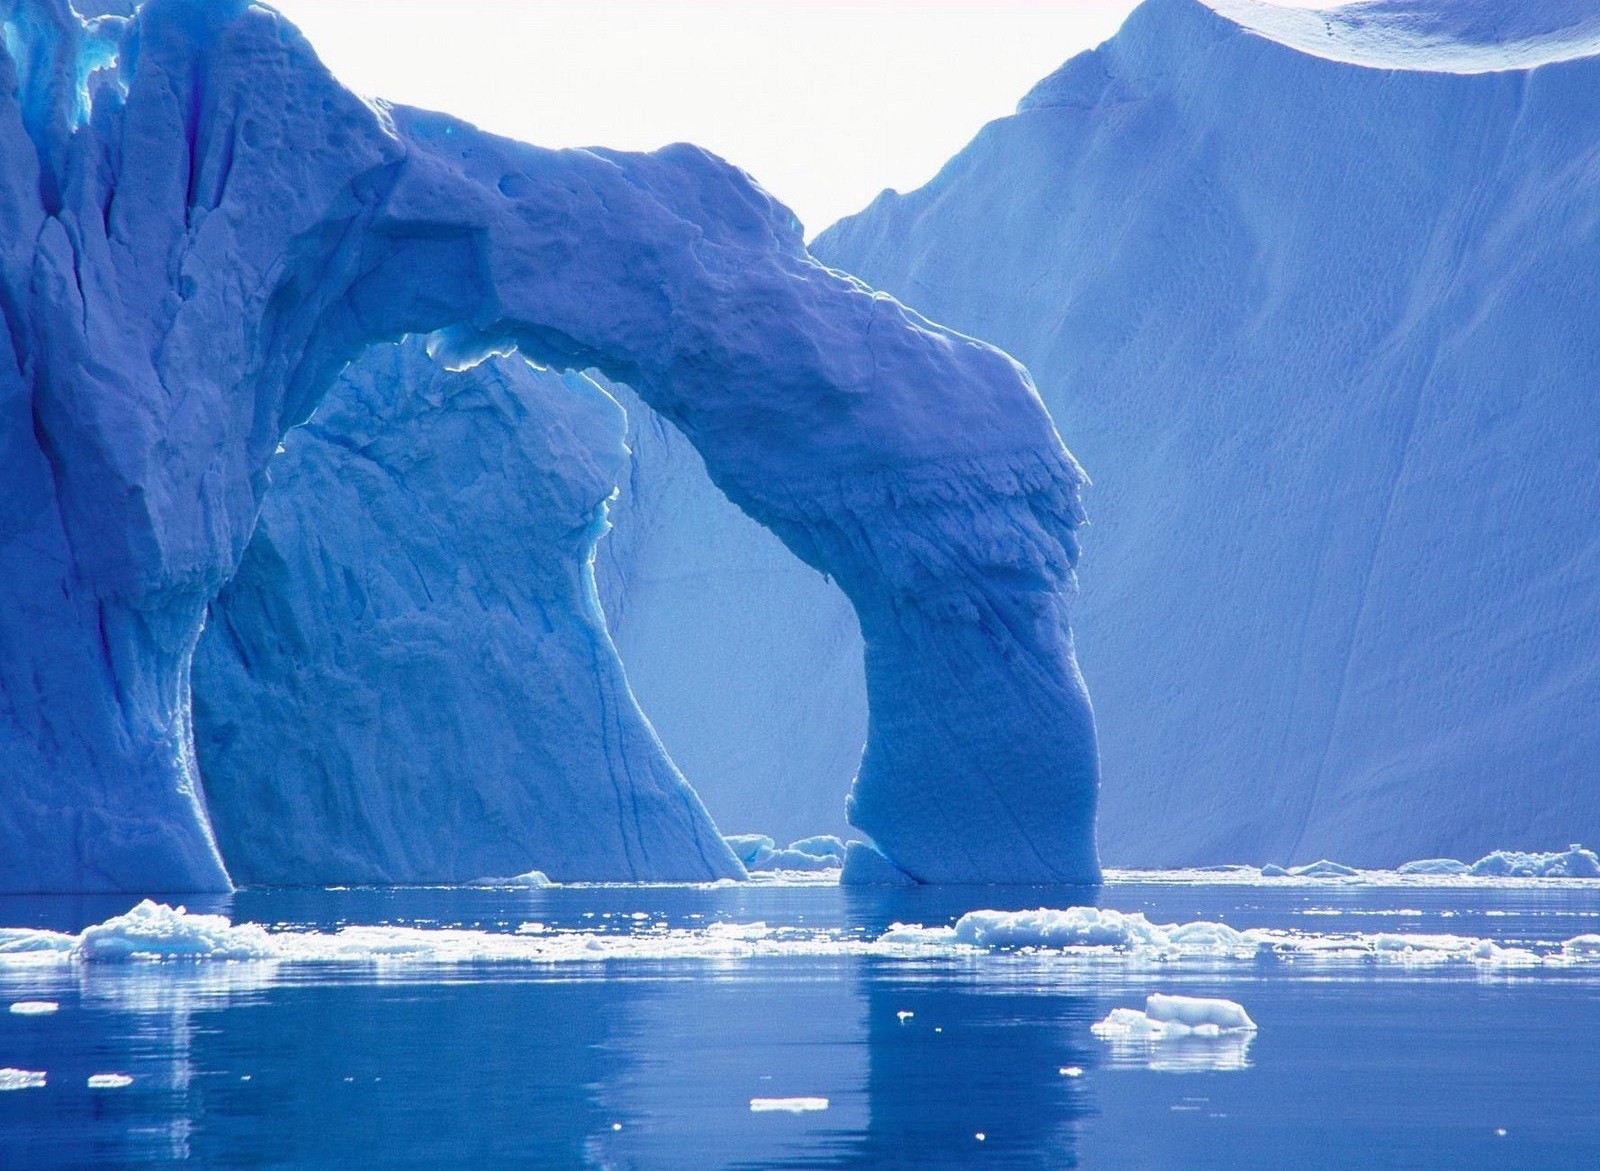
[[202, 229]]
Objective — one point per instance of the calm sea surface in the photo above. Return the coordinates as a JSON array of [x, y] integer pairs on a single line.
[[955, 1058]]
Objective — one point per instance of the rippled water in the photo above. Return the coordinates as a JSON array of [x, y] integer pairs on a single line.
[[637, 1052]]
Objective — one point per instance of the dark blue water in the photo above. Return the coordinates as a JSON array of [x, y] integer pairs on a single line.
[[653, 1063]]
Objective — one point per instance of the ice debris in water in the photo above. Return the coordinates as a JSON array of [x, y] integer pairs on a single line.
[[1576, 862], [152, 932], [34, 1007], [1175, 1016], [1324, 869], [109, 1081], [759, 852], [21, 1079], [156, 931], [532, 880], [787, 1105], [1446, 866]]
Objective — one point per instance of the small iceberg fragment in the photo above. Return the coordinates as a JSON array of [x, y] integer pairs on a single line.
[[750, 849], [1576, 862], [1179, 1034], [787, 1105], [109, 1081], [1272, 870], [820, 846], [1324, 869], [865, 866], [1581, 947], [155, 931], [21, 1079], [35, 1007], [1445, 866], [759, 852], [1175, 1016], [532, 880]]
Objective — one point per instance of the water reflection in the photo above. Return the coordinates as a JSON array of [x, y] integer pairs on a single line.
[[966, 1063]]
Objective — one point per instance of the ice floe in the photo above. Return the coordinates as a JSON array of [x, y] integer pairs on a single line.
[[153, 933], [787, 1105]]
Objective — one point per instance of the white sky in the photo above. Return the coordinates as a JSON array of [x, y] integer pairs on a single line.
[[825, 102]]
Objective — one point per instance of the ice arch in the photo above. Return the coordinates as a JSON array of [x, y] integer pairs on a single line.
[[202, 233]]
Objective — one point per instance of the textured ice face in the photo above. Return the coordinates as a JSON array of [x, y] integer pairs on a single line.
[[204, 233], [1324, 336], [413, 650]]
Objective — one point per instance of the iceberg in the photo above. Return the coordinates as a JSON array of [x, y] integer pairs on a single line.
[[1310, 291], [1175, 1016], [204, 229]]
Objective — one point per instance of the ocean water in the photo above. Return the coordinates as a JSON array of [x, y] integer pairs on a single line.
[[632, 1027]]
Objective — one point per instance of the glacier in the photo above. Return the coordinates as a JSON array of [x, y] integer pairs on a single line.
[[1312, 294], [203, 229]]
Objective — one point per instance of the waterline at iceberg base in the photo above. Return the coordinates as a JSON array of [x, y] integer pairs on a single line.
[[1394, 1026]]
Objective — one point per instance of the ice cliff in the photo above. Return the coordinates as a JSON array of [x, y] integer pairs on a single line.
[[1313, 293], [202, 229]]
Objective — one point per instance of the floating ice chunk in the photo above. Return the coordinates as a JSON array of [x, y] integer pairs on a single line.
[[34, 1007], [904, 1015], [1323, 869], [791, 859], [1097, 927], [1127, 1024], [1576, 862], [1197, 1013], [751, 849], [21, 1079], [1179, 1034], [19, 940], [864, 866], [1434, 866], [532, 880], [155, 931], [820, 846], [787, 1105], [109, 1081], [1271, 870], [1585, 947]]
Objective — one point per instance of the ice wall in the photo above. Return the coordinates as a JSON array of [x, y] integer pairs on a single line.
[[408, 679], [1313, 294], [204, 231]]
